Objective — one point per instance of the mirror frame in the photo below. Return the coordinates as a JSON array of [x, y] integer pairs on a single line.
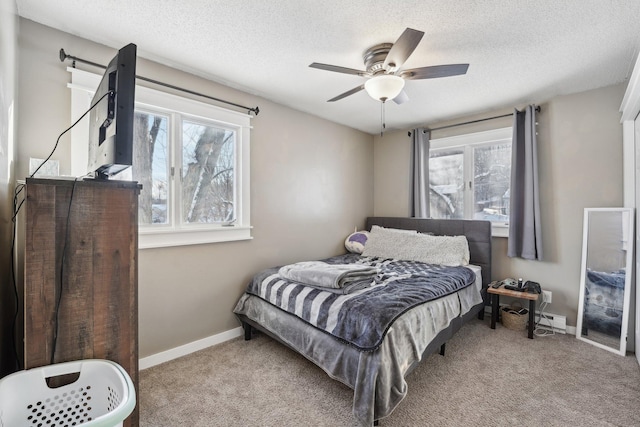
[[627, 280]]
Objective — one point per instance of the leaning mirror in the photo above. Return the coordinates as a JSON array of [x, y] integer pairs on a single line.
[[605, 280]]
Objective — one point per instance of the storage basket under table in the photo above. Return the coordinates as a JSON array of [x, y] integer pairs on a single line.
[[515, 316], [103, 395]]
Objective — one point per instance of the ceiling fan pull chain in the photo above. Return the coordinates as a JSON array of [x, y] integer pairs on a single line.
[[384, 115], [382, 125]]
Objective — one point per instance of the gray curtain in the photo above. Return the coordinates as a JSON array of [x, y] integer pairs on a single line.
[[419, 192], [525, 232]]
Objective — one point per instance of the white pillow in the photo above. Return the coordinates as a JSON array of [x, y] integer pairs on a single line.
[[413, 246], [385, 242]]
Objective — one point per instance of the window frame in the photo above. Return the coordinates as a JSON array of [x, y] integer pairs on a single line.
[[467, 143], [83, 84]]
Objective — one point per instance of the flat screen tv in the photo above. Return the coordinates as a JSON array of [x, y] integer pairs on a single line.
[[111, 120]]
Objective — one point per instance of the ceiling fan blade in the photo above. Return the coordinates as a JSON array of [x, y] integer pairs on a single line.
[[435, 71], [338, 69], [347, 93], [401, 98], [402, 49]]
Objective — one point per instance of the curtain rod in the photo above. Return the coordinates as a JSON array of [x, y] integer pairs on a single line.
[[538, 109], [64, 56]]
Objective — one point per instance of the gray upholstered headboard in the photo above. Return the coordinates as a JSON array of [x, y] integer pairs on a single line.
[[478, 235]]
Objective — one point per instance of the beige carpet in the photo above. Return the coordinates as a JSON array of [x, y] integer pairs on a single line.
[[488, 377]]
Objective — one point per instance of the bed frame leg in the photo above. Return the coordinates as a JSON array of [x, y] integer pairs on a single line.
[[247, 331], [376, 422], [442, 349]]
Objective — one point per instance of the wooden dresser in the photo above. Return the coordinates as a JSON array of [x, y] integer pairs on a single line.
[[81, 273]]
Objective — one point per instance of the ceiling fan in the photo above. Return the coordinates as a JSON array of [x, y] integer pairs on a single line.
[[383, 64]]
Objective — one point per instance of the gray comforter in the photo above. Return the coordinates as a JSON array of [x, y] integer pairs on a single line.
[[376, 376]]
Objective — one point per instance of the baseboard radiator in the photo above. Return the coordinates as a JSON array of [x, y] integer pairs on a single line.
[[549, 321], [552, 321]]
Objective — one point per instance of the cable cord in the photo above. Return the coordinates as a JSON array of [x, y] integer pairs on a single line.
[[61, 280], [16, 210], [67, 130], [16, 207], [543, 331]]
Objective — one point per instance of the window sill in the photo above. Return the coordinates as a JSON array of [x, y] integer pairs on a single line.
[[499, 230], [169, 237]]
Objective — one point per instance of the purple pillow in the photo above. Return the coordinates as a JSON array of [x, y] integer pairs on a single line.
[[355, 242]]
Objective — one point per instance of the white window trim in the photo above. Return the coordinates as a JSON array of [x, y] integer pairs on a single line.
[[83, 84], [477, 139]]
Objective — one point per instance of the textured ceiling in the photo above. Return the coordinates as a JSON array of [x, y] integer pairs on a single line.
[[519, 51]]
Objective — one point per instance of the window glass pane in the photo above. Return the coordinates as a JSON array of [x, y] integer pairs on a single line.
[[492, 177], [208, 173], [446, 184], [151, 166]]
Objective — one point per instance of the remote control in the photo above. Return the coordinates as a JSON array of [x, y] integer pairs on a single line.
[[496, 284], [514, 288]]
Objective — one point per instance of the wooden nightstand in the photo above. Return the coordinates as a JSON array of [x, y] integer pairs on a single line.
[[495, 304]]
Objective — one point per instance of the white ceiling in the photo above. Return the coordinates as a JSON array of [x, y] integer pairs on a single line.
[[524, 51]]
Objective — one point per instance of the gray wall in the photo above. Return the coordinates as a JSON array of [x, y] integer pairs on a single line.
[[8, 42], [310, 186], [580, 160]]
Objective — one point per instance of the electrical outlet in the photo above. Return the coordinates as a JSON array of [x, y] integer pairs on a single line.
[[546, 297]]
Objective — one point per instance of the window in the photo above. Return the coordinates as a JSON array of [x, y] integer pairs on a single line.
[[152, 166], [205, 191], [192, 160], [469, 178]]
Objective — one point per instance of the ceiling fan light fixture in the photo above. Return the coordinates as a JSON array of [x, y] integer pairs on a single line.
[[384, 87]]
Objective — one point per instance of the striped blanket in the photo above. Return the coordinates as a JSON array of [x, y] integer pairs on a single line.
[[362, 318]]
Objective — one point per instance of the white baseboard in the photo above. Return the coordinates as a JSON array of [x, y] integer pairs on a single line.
[[183, 350]]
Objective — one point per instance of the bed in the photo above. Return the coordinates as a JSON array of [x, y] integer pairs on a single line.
[[375, 366]]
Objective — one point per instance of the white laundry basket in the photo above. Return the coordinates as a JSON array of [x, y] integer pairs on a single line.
[[102, 396]]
